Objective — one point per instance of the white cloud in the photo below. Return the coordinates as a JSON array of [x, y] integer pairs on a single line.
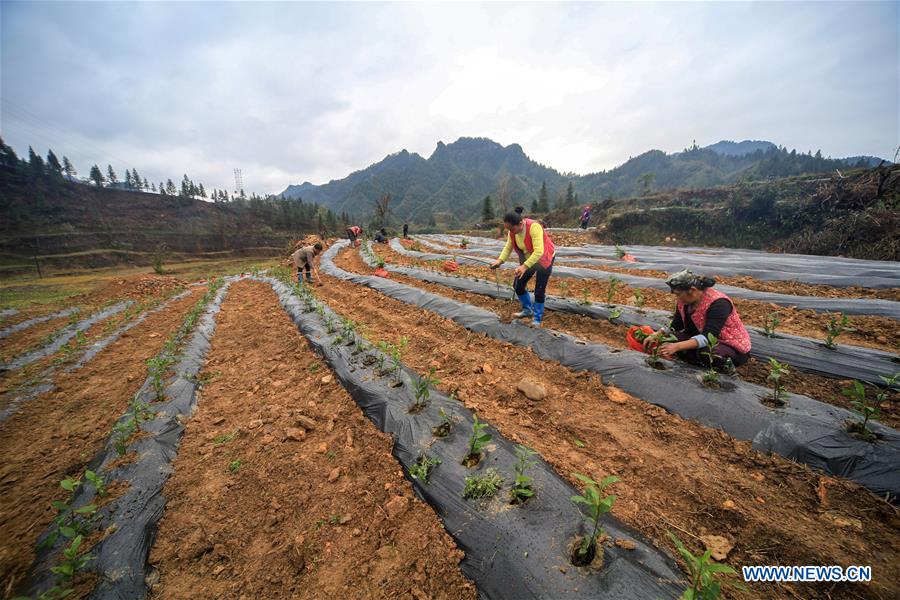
[[294, 92]]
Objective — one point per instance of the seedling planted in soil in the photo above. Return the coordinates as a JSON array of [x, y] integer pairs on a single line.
[[860, 429], [585, 301], [564, 288], [711, 376], [586, 551], [611, 290], [522, 490], [443, 430], [773, 320], [639, 301], [477, 442], [482, 486], [422, 391], [423, 466], [835, 328], [776, 371], [706, 574]]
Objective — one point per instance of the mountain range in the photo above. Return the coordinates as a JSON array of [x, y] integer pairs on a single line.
[[449, 186]]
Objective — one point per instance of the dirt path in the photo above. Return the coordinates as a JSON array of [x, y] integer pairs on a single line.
[[283, 489], [821, 388], [881, 333], [677, 475], [58, 433]]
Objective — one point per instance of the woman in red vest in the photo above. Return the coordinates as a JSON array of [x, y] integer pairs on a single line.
[[700, 311], [536, 254]]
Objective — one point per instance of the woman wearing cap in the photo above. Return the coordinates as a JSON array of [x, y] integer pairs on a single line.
[[700, 311], [536, 254]]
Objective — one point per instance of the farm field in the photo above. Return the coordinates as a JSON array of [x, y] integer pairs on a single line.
[[219, 431]]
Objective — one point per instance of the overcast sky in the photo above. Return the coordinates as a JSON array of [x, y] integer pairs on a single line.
[[295, 92]]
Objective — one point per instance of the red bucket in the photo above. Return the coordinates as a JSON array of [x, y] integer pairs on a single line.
[[632, 341]]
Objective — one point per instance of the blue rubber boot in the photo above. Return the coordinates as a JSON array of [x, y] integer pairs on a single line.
[[538, 314], [527, 311]]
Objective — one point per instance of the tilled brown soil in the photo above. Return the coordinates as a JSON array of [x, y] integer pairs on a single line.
[[815, 386], [57, 433], [282, 489], [676, 475], [882, 333], [30, 338]]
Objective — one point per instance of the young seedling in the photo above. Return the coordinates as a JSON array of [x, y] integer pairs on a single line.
[[776, 371], [396, 365], [639, 301], [72, 562], [121, 433], [654, 360], [857, 394], [443, 429], [96, 481], [477, 442], [564, 288], [706, 574], [421, 390], [522, 490], [835, 328], [773, 320], [482, 486], [234, 465], [422, 467], [383, 351], [597, 507], [711, 376], [611, 290], [614, 314], [620, 252], [585, 301]]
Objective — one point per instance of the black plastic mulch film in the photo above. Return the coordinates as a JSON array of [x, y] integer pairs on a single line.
[[850, 306], [120, 558], [835, 271], [806, 430], [511, 552], [805, 354]]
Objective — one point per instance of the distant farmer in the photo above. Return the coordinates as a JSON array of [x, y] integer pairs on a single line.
[[381, 236], [303, 260], [536, 255], [353, 233], [586, 217], [700, 311], [406, 231]]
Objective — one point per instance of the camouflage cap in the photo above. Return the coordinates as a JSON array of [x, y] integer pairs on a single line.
[[683, 279]]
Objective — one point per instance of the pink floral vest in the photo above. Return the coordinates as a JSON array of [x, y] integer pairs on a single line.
[[733, 331]]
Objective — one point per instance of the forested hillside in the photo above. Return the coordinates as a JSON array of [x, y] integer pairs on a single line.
[[450, 185]]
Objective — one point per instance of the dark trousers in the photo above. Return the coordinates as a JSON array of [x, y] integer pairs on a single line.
[[584, 224], [308, 270], [540, 282], [720, 355]]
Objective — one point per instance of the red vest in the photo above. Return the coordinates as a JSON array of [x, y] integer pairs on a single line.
[[733, 332], [549, 248]]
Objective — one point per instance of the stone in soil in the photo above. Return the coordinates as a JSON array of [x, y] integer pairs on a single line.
[[532, 390]]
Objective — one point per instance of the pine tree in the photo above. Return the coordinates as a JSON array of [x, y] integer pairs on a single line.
[[534, 206], [186, 186], [146, 185], [53, 163], [162, 188], [170, 188], [68, 168], [543, 199], [97, 176], [136, 179], [129, 182], [570, 196], [202, 191], [487, 211], [8, 156], [111, 175], [35, 163], [152, 186]]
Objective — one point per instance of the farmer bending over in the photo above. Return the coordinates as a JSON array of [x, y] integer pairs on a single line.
[[381, 236], [303, 260], [701, 310], [353, 232], [536, 255]]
